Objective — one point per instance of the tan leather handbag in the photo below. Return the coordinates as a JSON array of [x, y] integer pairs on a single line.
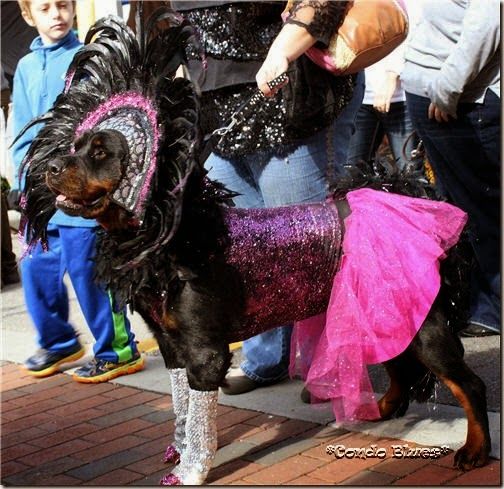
[[371, 30]]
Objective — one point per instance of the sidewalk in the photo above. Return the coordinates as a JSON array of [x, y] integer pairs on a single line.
[[56, 432]]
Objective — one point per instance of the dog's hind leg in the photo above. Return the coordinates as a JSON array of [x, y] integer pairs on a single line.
[[441, 352], [469, 390], [396, 400], [409, 379]]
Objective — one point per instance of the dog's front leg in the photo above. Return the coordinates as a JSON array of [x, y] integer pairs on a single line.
[[200, 440], [180, 398]]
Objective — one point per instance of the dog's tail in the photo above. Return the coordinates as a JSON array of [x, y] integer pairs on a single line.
[[382, 173]]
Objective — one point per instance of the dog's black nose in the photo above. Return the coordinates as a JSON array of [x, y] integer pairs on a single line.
[[56, 167]]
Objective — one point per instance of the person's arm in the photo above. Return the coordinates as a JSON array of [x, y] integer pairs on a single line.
[[390, 67], [478, 42], [385, 90], [309, 22], [292, 42]]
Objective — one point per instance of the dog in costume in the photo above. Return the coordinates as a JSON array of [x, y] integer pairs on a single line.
[[365, 274]]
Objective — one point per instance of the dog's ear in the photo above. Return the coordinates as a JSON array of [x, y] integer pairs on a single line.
[[124, 146], [82, 140]]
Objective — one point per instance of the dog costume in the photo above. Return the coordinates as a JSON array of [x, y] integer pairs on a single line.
[[294, 262]]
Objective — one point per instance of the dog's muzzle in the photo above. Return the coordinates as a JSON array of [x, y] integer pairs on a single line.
[[56, 167]]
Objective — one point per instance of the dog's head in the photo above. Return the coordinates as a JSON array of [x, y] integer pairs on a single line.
[[84, 180]]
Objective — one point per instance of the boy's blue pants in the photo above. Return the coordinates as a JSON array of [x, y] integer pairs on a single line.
[[71, 250]]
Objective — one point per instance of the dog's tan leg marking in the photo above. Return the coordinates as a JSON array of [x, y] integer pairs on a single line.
[[389, 403], [475, 452]]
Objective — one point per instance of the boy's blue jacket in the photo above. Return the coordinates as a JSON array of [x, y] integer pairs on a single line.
[[38, 80]]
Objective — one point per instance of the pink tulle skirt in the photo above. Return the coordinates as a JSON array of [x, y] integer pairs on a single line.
[[385, 286]]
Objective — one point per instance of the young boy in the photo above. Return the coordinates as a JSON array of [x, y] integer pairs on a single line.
[[38, 80]]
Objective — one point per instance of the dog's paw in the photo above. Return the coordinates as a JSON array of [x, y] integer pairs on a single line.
[[171, 455], [469, 457], [391, 409], [170, 480]]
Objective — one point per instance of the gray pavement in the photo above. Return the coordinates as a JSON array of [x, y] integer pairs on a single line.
[[440, 421]]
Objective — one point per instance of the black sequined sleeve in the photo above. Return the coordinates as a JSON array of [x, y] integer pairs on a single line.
[[321, 18]]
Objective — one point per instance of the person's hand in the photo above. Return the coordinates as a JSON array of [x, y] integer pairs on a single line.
[[436, 113], [383, 94], [274, 65]]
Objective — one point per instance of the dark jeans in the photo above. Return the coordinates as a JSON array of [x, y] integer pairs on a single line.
[[465, 154], [371, 126]]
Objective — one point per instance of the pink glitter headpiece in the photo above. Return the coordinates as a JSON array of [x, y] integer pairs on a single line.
[[134, 116]]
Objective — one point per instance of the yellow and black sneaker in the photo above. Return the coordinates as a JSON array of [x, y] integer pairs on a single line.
[[98, 370], [45, 362]]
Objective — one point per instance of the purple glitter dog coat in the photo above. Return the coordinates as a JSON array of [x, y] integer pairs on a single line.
[[287, 258]]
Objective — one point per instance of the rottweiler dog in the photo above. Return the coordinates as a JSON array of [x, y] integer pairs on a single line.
[[201, 311], [170, 258]]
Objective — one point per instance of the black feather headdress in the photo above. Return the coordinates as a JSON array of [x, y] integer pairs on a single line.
[[123, 81]]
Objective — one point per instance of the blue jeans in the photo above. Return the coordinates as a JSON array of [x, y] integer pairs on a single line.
[[371, 126], [465, 154], [71, 250], [266, 180]]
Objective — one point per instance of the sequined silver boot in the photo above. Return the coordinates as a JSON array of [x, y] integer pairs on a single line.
[[200, 438], [180, 398]]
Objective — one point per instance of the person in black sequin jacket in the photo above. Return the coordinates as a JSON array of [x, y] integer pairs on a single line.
[[281, 153]]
